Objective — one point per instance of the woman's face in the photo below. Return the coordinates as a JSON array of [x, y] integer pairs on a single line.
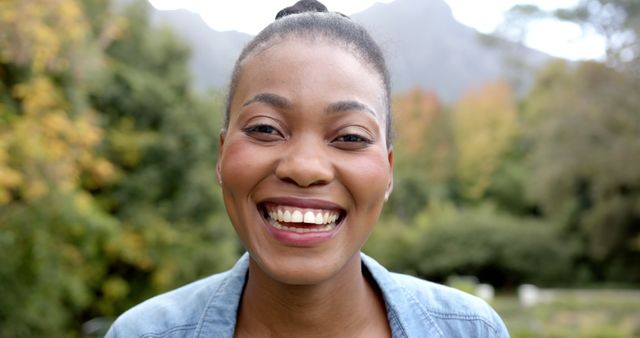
[[303, 163]]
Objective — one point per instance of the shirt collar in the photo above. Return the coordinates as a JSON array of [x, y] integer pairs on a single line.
[[219, 317], [406, 317], [405, 314]]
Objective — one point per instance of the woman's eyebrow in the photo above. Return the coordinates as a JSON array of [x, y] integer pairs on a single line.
[[270, 99], [283, 103], [343, 106]]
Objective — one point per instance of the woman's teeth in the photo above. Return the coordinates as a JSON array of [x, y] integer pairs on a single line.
[[314, 218], [325, 228], [301, 216]]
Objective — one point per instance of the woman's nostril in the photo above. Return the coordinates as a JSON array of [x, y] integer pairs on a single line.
[[303, 182], [305, 173]]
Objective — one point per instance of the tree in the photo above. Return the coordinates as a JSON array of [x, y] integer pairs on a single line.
[[163, 138], [584, 127], [484, 125], [617, 21], [422, 152], [107, 160], [51, 229], [500, 249]]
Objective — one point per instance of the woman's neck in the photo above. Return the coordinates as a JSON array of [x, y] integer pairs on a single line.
[[346, 305]]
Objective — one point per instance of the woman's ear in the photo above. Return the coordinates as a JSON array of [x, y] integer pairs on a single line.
[[387, 192], [220, 151]]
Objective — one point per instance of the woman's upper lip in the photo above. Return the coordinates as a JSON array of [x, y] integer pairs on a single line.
[[306, 203]]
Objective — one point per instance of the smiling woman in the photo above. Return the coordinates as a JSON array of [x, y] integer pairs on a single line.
[[305, 166]]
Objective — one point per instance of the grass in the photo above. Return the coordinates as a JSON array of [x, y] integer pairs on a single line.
[[574, 314]]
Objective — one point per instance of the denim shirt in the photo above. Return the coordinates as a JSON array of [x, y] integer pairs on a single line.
[[208, 308]]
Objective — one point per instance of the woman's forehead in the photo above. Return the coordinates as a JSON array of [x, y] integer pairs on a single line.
[[317, 68]]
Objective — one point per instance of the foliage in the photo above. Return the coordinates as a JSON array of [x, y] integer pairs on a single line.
[[617, 21], [163, 140], [51, 229], [560, 171], [484, 126], [422, 153], [497, 248], [107, 191], [584, 130]]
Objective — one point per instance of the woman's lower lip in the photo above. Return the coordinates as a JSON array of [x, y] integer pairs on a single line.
[[301, 239]]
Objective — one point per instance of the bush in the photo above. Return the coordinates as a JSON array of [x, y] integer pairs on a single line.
[[498, 249]]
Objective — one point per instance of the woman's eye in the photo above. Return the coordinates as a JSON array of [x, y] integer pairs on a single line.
[[352, 141], [261, 128], [351, 138], [263, 131]]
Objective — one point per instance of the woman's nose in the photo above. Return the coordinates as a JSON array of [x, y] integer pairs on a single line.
[[305, 163]]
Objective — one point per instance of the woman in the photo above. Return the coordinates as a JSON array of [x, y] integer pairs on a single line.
[[305, 166]]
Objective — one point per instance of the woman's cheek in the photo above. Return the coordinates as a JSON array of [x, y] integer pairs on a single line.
[[370, 176], [242, 164]]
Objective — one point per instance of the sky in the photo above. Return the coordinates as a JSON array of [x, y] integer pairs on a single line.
[[560, 39]]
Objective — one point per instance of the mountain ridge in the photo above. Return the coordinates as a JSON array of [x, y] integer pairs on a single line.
[[423, 43]]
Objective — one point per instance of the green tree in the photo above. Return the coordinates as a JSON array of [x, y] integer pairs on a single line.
[[484, 126], [584, 126], [498, 248], [162, 137], [107, 160], [617, 21], [51, 229], [422, 153]]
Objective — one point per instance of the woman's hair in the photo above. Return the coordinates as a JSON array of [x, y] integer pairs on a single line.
[[309, 19]]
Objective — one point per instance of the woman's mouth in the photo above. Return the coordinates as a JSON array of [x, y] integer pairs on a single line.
[[301, 220]]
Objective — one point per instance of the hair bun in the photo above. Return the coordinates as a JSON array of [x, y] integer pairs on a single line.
[[302, 6]]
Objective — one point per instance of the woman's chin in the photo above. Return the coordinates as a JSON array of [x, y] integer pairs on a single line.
[[303, 270]]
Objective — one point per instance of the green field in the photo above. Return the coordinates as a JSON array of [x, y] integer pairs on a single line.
[[574, 314]]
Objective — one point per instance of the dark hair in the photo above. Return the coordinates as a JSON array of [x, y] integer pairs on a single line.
[[311, 20]]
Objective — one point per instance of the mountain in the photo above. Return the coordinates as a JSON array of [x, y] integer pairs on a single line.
[[424, 45], [213, 53]]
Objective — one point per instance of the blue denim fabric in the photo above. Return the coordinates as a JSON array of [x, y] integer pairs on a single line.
[[208, 308]]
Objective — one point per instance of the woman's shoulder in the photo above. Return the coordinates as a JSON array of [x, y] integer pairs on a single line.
[[441, 300], [420, 305], [176, 310], [455, 312], [180, 312]]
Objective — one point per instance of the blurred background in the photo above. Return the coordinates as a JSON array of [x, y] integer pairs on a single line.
[[517, 170]]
